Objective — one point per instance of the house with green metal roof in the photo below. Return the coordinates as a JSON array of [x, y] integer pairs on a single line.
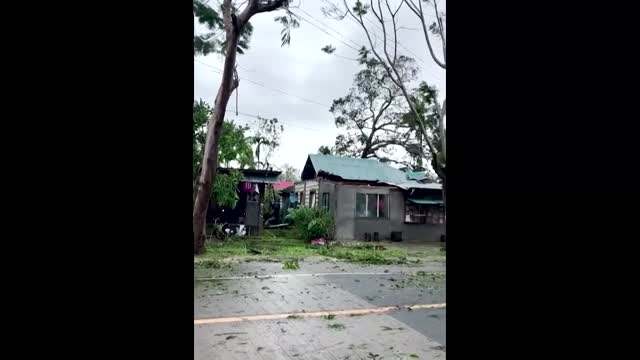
[[372, 200]]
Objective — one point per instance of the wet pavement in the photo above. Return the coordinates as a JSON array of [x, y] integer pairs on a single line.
[[321, 286]]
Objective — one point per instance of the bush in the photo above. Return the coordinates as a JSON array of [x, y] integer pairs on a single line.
[[312, 223]]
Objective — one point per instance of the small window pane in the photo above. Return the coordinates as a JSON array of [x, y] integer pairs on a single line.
[[325, 201], [415, 214], [382, 206], [312, 199], [435, 215], [361, 205], [372, 205]]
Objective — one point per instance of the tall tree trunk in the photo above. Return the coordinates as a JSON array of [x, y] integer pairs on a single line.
[[210, 160], [444, 202], [442, 174], [443, 151], [258, 155]]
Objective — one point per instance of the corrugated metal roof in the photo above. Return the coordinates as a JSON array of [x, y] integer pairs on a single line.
[[417, 185], [416, 175], [426, 201], [254, 175], [282, 185], [365, 170], [260, 179]]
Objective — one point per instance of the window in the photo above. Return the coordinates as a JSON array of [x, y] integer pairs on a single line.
[[312, 199], [435, 215], [370, 205], [414, 213], [423, 214], [325, 201]]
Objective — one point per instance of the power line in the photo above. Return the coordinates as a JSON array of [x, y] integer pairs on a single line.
[[432, 67], [344, 57], [219, 71], [262, 117], [330, 28], [335, 31], [399, 43], [436, 75], [324, 31]]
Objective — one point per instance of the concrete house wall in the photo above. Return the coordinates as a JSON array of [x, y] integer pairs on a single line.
[[353, 228], [329, 187], [342, 204]]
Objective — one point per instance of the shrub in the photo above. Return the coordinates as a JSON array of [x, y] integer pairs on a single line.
[[311, 223]]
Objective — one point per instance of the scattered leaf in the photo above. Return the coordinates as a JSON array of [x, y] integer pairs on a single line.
[[291, 265]]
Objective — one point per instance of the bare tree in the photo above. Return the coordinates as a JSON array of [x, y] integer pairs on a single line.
[[234, 21], [369, 112], [438, 29], [266, 136], [387, 21], [289, 173]]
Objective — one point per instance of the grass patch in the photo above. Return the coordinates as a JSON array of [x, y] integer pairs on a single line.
[[208, 264], [281, 245], [430, 253], [269, 245], [365, 254]]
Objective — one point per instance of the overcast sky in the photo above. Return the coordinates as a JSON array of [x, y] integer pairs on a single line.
[[304, 71]]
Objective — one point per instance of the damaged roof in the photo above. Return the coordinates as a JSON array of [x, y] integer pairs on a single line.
[[361, 170], [255, 175], [416, 175]]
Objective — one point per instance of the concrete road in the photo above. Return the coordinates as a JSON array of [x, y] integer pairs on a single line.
[[278, 314]]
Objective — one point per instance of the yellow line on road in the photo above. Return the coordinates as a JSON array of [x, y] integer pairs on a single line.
[[365, 311]]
